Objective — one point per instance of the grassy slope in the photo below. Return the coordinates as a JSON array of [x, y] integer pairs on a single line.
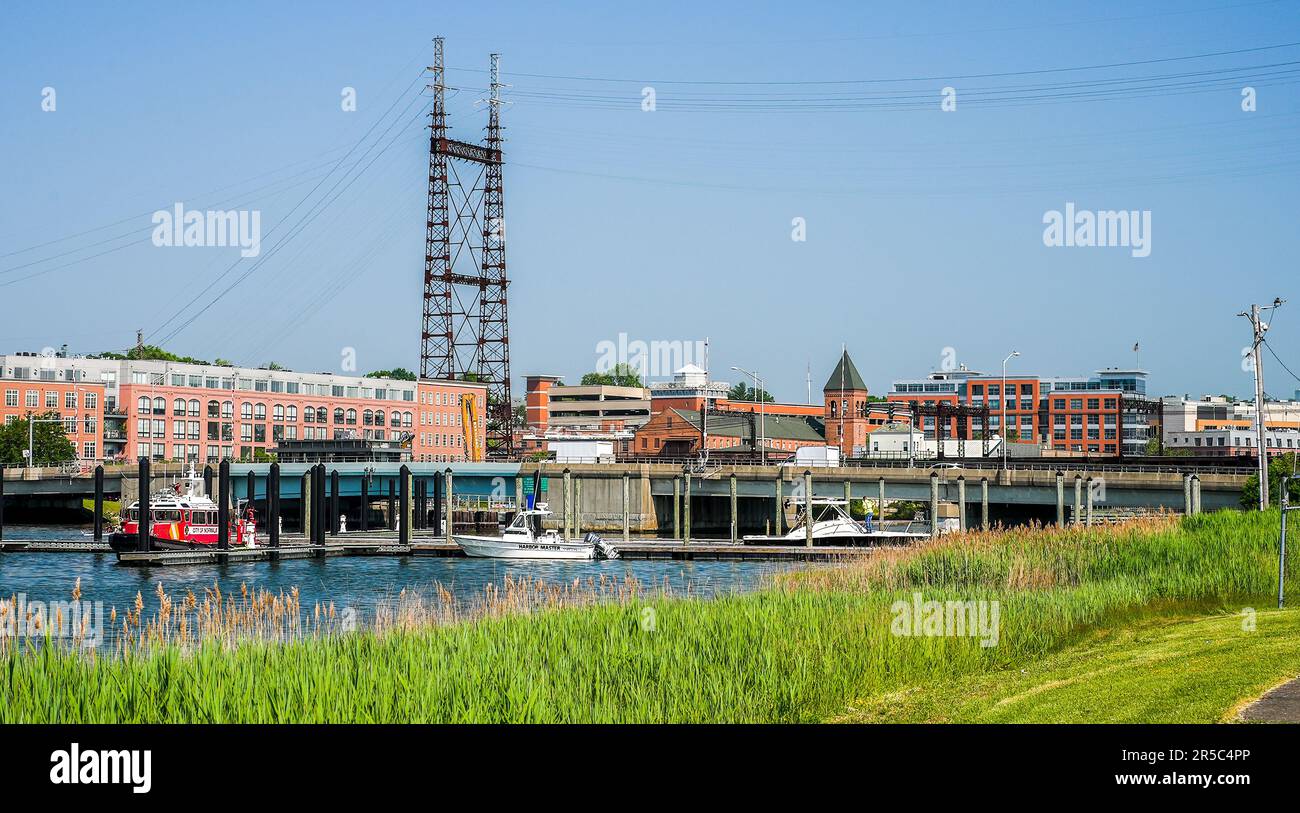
[[798, 654], [1158, 671]]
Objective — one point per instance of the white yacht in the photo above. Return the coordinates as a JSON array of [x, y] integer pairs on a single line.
[[525, 538], [831, 525]]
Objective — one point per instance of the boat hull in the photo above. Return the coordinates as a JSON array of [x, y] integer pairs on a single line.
[[493, 547], [123, 543]]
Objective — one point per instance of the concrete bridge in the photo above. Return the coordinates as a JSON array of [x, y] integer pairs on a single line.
[[657, 494]]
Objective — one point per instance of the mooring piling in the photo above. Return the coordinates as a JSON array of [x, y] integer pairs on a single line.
[[961, 502], [449, 513], [273, 505], [223, 505], [404, 499], [99, 502], [934, 503], [142, 542]]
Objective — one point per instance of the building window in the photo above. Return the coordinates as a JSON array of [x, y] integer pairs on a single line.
[[70, 399]]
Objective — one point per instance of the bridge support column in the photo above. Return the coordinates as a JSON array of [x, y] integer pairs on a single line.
[[984, 503], [1196, 494], [1088, 515], [1187, 494], [961, 502], [880, 505], [934, 504], [1078, 500]]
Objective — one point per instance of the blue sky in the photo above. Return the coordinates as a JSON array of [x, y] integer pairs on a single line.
[[924, 227]]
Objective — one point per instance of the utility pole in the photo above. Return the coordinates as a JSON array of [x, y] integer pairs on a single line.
[[1258, 329]]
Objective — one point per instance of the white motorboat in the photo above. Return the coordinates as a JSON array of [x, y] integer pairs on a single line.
[[831, 525], [525, 538]]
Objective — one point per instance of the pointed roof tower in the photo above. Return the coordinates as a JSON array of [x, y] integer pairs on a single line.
[[845, 377]]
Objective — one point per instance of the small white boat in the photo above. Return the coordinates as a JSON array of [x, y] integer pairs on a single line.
[[831, 525], [525, 538]]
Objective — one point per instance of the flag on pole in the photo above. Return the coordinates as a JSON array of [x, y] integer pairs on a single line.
[[1135, 347]]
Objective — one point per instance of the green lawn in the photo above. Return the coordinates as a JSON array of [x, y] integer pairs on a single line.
[[1198, 670]]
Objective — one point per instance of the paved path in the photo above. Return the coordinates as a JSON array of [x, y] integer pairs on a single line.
[[1281, 705]]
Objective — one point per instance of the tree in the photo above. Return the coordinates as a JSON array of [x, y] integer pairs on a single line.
[[147, 352], [51, 444], [1280, 466], [744, 392], [398, 373], [620, 375]]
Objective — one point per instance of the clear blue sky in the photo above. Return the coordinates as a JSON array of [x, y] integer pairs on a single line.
[[924, 227]]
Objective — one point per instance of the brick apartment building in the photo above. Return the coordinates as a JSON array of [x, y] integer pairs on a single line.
[[1107, 413], [206, 413]]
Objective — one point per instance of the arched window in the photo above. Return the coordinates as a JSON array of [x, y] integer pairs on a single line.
[[214, 409], [292, 412], [142, 405], [368, 418], [406, 419], [194, 407], [338, 414], [246, 411], [178, 407], [322, 415], [352, 417], [379, 417], [160, 406], [277, 413], [227, 409], [259, 412]]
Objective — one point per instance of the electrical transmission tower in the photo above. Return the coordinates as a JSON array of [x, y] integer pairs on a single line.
[[465, 333]]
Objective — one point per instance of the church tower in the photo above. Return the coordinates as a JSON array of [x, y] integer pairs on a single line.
[[846, 407]]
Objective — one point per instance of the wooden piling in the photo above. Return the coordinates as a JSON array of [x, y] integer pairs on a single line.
[[1060, 499], [961, 502], [934, 504], [984, 503], [1078, 499], [808, 507], [273, 505], [142, 540], [1087, 521], [99, 502], [779, 515], [677, 507], [404, 504], [307, 484], [335, 502], [1196, 493], [568, 504], [392, 505], [627, 505], [223, 505], [686, 511], [735, 519], [448, 513]]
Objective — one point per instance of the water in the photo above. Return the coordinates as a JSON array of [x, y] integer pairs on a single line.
[[359, 582]]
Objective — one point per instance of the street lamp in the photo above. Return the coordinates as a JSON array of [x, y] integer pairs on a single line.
[[760, 390], [1002, 396]]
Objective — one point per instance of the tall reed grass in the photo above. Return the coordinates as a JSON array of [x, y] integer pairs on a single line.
[[799, 651]]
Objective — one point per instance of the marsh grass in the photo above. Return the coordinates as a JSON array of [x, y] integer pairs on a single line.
[[799, 650]]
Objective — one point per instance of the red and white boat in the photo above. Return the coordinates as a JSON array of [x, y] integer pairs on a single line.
[[183, 517]]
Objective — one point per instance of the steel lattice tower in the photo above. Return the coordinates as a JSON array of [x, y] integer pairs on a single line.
[[466, 331]]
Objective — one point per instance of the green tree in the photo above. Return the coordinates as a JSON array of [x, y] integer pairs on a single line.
[[51, 444], [1283, 465], [744, 392], [398, 373], [620, 375]]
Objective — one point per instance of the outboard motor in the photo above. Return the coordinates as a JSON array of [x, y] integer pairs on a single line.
[[604, 550]]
